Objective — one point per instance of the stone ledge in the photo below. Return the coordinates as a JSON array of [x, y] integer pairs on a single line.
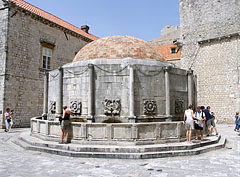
[[127, 152]]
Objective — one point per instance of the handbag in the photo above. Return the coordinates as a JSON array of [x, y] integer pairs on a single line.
[[8, 120], [60, 120]]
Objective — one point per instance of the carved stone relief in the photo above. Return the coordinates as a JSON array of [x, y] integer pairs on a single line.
[[179, 106], [112, 107], [52, 107], [76, 107], [149, 107]]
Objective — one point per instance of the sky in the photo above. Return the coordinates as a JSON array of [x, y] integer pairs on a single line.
[[140, 18]]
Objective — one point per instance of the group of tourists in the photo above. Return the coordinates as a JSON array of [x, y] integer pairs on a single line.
[[8, 116], [202, 118]]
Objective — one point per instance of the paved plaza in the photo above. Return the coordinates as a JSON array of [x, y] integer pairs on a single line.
[[16, 162]]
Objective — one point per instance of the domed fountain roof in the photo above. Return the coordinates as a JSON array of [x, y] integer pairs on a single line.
[[118, 47]]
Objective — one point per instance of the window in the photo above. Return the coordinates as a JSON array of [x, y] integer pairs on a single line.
[[46, 57], [173, 50]]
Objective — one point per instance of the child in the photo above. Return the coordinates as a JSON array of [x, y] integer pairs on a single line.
[[237, 122], [11, 122], [7, 119]]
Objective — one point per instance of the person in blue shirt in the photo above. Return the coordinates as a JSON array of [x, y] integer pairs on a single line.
[[237, 122], [210, 121]]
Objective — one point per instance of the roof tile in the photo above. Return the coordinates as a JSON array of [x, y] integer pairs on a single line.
[[31, 8], [165, 51]]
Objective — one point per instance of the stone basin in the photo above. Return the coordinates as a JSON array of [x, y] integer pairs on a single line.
[[111, 133]]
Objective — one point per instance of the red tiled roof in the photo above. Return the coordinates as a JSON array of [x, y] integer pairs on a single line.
[[29, 7], [165, 51]]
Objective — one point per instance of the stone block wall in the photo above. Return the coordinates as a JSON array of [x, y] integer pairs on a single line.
[[3, 54], [178, 93], [203, 20], [112, 86], [53, 90], [24, 75], [209, 32], [176, 62], [218, 77], [149, 86], [75, 87], [107, 85]]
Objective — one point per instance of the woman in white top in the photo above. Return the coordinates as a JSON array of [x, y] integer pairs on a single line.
[[189, 123]]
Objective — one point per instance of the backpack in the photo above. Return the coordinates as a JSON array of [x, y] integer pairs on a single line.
[[196, 114], [198, 122]]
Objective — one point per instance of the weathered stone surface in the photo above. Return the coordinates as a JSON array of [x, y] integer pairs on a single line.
[[209, 32], [3, 54]]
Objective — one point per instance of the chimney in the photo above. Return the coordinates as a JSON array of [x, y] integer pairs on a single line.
[[85, 28]]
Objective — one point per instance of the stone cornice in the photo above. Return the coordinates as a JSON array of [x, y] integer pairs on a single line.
[[218, 38]]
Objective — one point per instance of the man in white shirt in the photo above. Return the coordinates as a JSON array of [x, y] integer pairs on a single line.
[[198, 125]]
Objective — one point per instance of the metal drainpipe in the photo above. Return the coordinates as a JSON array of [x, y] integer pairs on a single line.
[[194, 57]]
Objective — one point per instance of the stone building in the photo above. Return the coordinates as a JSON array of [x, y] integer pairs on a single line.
[[208, 37], [166, 44], [210, 46], [32, 42]]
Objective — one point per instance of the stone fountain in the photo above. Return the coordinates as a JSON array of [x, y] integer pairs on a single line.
[[120, 78]]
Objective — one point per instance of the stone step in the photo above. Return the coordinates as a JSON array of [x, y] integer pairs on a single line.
[[150, 151], [143, 155], [118, 149]]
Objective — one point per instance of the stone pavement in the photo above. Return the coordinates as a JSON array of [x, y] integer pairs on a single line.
[[17, 162]]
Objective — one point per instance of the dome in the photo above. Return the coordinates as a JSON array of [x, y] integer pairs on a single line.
[[118, 47]]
